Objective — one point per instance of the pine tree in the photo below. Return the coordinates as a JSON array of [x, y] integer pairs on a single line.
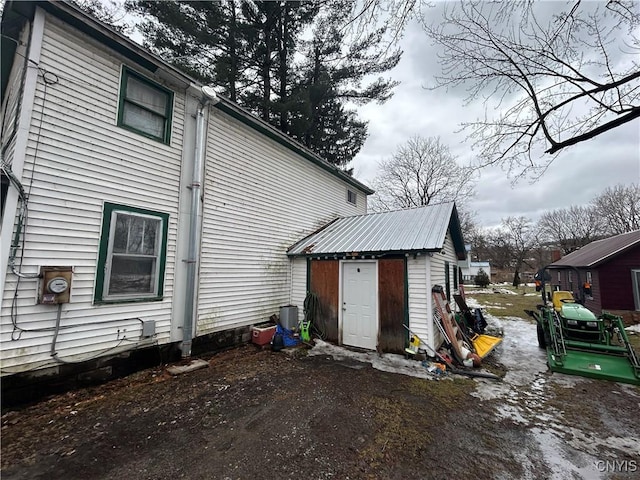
[[482, 279], [248, 48]]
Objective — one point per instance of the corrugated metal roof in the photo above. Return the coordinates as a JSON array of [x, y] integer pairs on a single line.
[[416, 229], [599, 251]]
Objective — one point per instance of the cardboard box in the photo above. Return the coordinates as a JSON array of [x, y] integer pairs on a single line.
[[262, 335]]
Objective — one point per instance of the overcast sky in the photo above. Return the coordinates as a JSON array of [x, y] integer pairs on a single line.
[[577, 175]]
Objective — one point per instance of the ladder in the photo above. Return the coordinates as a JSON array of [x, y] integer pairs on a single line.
[[446, 322]]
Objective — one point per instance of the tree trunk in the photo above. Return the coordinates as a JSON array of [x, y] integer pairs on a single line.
[[233, 54], [283, 33]]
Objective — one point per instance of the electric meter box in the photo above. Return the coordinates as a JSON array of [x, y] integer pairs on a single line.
[[55, 285]]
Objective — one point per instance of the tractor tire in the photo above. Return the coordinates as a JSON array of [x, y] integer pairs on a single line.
[[542, 340]]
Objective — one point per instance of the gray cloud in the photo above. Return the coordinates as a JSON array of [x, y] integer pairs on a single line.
[[576, 176]]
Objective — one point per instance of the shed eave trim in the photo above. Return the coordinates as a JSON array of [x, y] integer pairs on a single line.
[[379, 253]]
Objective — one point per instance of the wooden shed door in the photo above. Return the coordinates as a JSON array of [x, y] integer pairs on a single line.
[[359, 305]]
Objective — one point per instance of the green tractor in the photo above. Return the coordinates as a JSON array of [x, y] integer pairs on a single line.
[[577, 341]]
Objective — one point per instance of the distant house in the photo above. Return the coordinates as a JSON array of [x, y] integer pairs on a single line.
[[469, 269], [611, 267], [158, 213], [373, 274]]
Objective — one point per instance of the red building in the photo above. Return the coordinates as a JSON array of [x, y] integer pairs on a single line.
[[611, 268]]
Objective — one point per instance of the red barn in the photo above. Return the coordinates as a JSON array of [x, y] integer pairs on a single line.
[[611, 267]]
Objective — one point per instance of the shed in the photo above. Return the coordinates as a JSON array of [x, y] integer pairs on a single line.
[[612, 268], [373, 274]]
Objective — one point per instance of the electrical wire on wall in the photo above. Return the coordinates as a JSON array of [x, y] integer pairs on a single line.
[[54, 341], [17, 248], [18, 240]]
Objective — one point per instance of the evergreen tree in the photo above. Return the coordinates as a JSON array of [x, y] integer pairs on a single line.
[[482, 279], [207, 40], [250, 47]]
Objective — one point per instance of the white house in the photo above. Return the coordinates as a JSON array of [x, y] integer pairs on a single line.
[[469, 269], [138, 209]]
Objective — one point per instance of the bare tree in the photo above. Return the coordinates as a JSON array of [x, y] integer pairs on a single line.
[[571, 228], [421, 172], [519, 238], [619, 207], [549, 81]]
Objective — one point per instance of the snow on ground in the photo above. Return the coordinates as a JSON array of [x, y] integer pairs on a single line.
[[634, 328], [387, 362], [523, 398]]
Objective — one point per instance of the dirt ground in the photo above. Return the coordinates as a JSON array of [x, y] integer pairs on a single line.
[[260, 414]]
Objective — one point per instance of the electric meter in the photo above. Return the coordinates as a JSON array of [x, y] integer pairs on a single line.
[[57, 285]]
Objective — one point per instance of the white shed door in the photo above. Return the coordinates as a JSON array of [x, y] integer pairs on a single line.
[[359, 305]]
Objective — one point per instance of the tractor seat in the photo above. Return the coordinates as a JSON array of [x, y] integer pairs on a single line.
[[560, 297]]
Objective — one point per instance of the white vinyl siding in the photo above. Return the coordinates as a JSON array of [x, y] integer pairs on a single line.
[[11, 104], [84, 159], [298, 284], [260, 199], [438, 260], [419, 292]]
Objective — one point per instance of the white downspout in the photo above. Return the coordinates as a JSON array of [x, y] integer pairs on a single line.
[[195, 221]]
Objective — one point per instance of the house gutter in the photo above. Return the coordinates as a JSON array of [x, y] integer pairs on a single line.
[[195, 221]]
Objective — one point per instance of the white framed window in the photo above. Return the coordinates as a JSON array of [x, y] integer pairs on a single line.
[[635, 278], [132, 254], [352, 197], [145, 106]]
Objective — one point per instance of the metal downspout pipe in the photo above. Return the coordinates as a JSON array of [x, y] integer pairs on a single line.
[[195, 220]]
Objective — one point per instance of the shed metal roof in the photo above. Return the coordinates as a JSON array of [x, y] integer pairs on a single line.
[[599, 251], [400, 231]]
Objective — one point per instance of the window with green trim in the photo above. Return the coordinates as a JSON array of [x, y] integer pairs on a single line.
[[132, 257], [145, 106]]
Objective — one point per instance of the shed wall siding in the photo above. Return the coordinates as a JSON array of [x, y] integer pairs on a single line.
[[419, 291], [298, 284], [438, 277], [260, 199], [84, 159], [438, 263]]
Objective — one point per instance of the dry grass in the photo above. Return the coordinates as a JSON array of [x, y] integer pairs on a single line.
[[501, 304]]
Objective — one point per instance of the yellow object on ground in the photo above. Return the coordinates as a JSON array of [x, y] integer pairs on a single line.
[[484, 344]]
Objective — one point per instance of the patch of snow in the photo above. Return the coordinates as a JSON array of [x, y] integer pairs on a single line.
[[633, 328], [504, 291], [564, 462], [387, 362], [472, 302]]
